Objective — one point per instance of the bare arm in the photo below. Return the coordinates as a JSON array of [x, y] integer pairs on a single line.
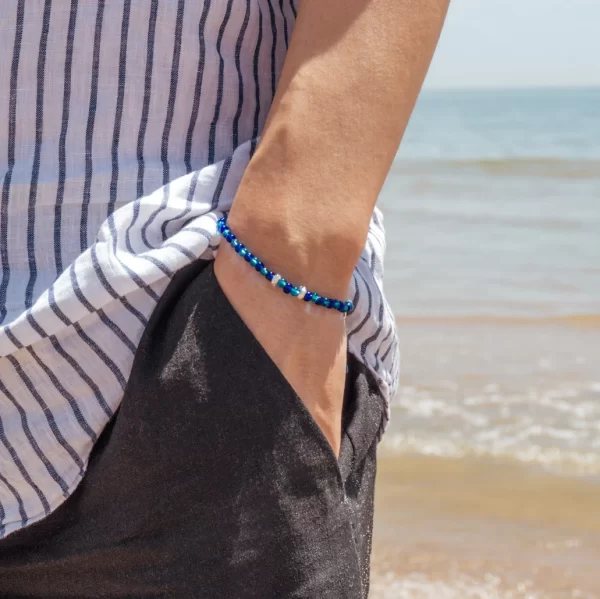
[[350, 80]]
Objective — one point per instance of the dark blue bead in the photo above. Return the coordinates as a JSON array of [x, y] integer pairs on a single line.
[[229, 236], [320, 301], [270, 275], [236, 244], [287, 288], [248, 257], [308, 296], [259, 266]]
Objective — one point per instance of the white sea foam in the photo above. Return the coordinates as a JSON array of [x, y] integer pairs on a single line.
[[558, 461], [555, 427], [419, 586]]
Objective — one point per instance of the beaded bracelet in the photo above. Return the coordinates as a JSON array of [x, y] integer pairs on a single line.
[[277, 280]]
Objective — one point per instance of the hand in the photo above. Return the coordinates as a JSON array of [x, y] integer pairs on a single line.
[[306, 342]]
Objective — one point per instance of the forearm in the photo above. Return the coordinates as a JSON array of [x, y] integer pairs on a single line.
[[351, 77], [350, 80]]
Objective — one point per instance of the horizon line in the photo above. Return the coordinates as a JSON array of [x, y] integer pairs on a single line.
[[516, 87]]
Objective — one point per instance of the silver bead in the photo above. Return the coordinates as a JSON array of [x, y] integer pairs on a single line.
[[302, 293], [275, 280]]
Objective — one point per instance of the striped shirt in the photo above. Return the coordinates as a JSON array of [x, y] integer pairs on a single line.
[[125, 130]]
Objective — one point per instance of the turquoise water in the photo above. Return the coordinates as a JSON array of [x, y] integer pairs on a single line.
[[493, 205], [492, 211], [505, 124]]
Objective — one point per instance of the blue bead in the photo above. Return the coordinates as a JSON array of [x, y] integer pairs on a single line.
[[229, 236], [320, 300], [315, 298], [337, 304], [308, 296], [326, 302], [348, 306], [295, 292], [248, 256], [288, 288], [236, 244], [281, 283], [269, 275], [243, 251]]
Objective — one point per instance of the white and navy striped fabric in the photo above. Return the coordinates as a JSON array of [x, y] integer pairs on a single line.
[[125, 128]]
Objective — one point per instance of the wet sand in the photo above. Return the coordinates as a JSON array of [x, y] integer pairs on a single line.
[[462, 529]]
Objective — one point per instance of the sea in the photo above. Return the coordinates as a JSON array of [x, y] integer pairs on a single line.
[[489, 476]]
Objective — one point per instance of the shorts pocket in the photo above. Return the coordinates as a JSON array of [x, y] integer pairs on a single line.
[[253, 358], [363, 404]]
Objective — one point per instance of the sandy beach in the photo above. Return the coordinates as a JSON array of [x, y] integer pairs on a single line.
[[446, 529]]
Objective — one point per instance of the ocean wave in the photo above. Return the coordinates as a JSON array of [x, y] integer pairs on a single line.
[[556, 168], [554, 460], [588, 321]]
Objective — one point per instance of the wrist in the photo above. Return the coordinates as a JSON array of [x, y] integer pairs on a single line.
[[313, 254]]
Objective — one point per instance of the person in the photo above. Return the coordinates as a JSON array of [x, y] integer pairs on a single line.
[[172, 425]]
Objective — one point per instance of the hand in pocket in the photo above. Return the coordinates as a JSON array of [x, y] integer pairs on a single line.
[[306, 342]]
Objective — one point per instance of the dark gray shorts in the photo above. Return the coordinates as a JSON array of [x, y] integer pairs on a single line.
[[212, 480]]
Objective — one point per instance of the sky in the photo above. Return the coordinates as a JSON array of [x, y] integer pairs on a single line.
[[518, 43]]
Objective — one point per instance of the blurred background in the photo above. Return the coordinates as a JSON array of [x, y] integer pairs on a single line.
[[489, 482]]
